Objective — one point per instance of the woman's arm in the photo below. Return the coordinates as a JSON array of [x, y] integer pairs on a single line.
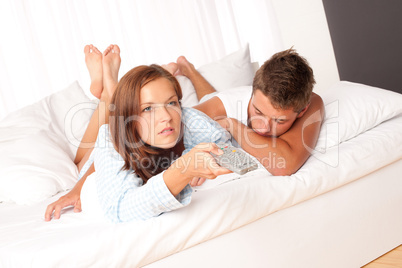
[[123, 197], [99, 118], [72, 198], [199, 128], [103, 70]]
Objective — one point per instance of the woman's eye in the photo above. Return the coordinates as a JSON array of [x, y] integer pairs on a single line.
[[147, 109], [172, 103]]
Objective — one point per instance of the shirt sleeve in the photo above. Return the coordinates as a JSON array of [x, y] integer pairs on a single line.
[[121, 193], [87, 165], [199, 128]]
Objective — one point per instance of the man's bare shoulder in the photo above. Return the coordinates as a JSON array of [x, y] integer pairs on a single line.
[[314, 114], [213, 107], [316, 100], [316, 106]]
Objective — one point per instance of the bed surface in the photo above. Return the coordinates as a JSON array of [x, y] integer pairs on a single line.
[[78, 240], [362, 132], [346, 227]]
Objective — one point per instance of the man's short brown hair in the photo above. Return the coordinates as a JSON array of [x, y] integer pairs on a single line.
[[286, 79]]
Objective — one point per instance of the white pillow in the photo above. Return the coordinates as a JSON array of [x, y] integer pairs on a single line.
[[233, 70], [36, 159], [352, 108]]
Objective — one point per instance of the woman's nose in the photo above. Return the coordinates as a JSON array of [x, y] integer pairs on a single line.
[[163, 114]]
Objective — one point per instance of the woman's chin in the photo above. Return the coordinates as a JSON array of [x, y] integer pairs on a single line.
[[166, 144], [169, 146]]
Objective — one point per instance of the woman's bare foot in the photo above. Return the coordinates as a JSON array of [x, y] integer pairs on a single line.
[[111, 66], [184, 67], [171, 67], [93, 60]]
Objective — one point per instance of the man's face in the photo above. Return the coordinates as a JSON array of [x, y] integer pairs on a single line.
[[267, 121]]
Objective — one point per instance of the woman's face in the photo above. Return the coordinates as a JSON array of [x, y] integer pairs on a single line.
[[159, 121]]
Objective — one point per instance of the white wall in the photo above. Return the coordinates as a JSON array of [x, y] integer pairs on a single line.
[[53, 57], [303, 25], [43, 40]]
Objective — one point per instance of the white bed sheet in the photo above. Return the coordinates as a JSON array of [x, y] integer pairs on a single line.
[[78, 241], [347, 227]]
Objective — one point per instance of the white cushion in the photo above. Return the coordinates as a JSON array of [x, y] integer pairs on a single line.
[[233, 70], [353, 108], [36, 159]]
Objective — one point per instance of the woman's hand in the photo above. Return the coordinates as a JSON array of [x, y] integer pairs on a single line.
[[70, 199], [198, 162], [196, 181]]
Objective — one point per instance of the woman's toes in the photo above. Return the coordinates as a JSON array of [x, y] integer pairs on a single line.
[[107, 50], [86, 49], [96, 50], [116, 49]]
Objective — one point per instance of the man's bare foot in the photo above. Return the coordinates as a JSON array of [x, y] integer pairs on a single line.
[[93, 60], [111, 66], [184, 67], [171, 67]]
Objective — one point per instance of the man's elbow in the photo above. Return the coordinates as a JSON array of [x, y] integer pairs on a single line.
[[282, 164], [281, 172]]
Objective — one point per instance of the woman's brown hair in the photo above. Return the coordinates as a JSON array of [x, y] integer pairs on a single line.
[[144, 160]]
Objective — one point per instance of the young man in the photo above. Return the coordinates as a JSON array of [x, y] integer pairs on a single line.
[[277, 121]]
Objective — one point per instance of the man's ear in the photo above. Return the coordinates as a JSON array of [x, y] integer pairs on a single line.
[[301, 113]]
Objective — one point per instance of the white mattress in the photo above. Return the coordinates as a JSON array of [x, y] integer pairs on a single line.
[[76, 240], [347, 227]]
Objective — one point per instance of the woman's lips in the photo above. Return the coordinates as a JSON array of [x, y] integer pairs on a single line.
[[167, 131]]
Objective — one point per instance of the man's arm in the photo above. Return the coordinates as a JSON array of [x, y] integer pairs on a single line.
[[213, 108], [283, 155]]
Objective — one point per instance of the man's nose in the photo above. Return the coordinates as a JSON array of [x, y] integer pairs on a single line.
[[264, 125]]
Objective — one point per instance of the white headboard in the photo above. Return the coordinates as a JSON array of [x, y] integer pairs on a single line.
[[303, 25]]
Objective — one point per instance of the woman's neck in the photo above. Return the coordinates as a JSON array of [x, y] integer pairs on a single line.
[[179, 147]]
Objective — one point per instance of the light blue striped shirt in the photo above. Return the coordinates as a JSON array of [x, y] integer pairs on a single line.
[[122, 195]]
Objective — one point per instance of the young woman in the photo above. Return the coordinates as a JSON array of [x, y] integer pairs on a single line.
[[147, 131]]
